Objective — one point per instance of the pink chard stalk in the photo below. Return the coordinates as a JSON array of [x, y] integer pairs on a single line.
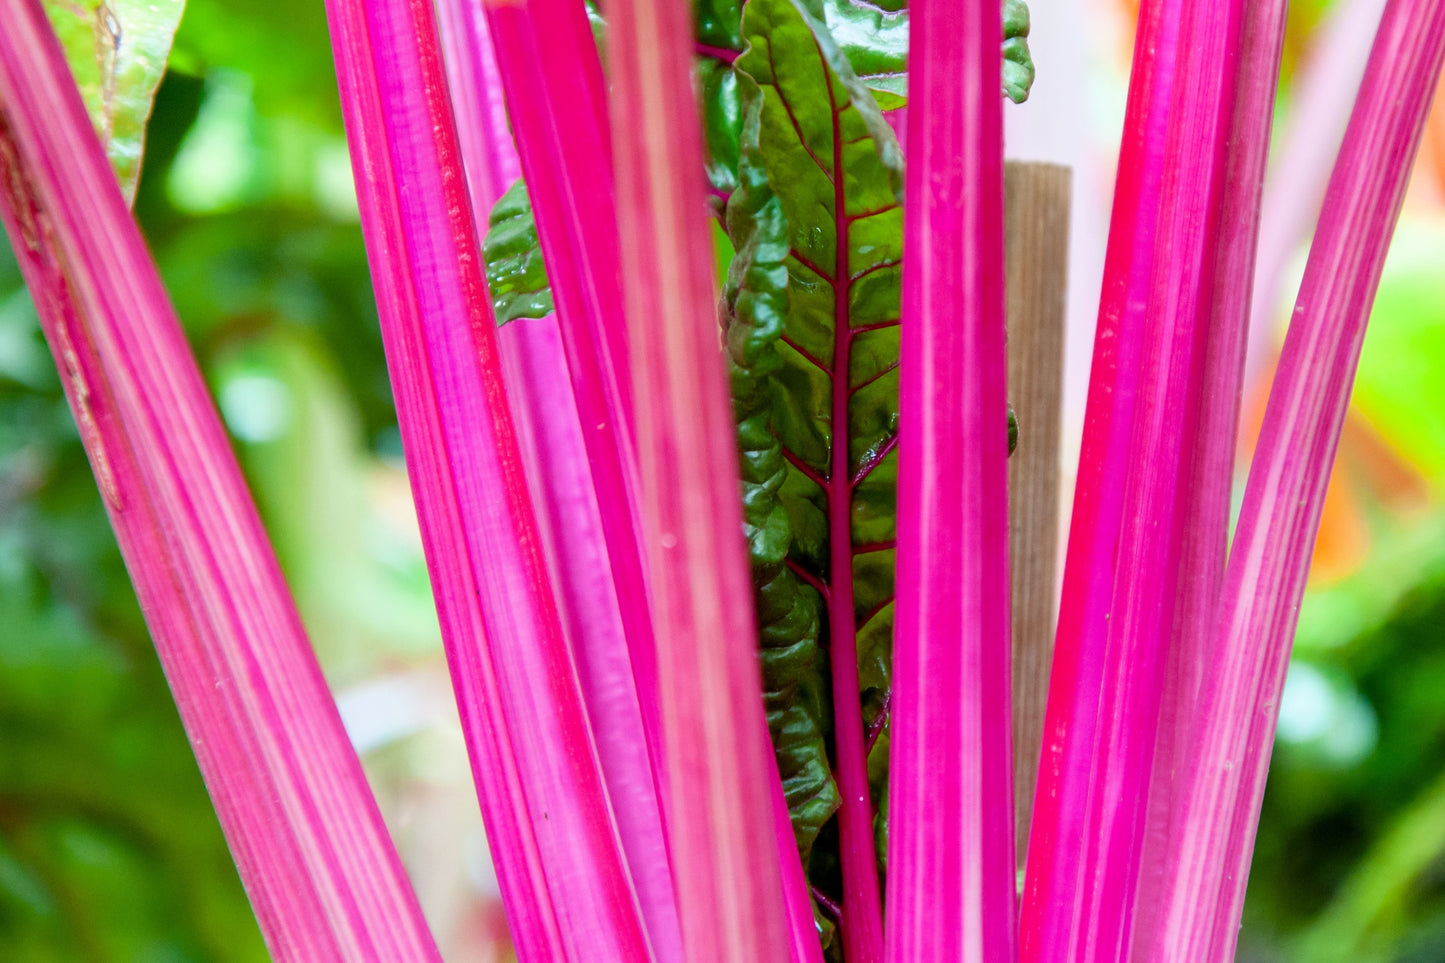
[[316, 860], [695, 323], [951, 776]]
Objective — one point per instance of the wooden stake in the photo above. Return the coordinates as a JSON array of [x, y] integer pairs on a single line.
[[1037, 223]]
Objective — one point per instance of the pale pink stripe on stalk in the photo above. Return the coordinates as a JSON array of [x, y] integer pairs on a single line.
[[1265, 579], [309, 843], [1209, 481], [951, 868], [563, 145], [553, 838], [1157, 498], [540, 390], [1052, 880], [544, 407], [726, 853], [475, 84]]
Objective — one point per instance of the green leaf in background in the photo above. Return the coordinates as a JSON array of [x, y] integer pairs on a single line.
[[873, 34], [719, 23], [1400, 388], [117, 51], [515, 272], [789, 612], [721, 121], [1018, 64], [814, 302], [719, 40]]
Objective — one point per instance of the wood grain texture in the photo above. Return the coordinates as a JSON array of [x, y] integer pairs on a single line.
[[1037, 200]]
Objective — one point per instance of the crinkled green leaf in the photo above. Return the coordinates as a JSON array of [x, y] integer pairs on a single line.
[[117, 50], [718, 24], [515, 272], [789, 613], [818, 230], [873, 34], [1018, 65], [722, 121]]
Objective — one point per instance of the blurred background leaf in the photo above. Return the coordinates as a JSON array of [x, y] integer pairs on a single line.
[[109, 850], [117, 50]]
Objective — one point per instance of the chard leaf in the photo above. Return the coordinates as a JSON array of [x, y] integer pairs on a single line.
[[721, 121], [117, 53], [719, 23], [789, 612], [1018, 64], [873, 34], [516, 275], [813, 306]]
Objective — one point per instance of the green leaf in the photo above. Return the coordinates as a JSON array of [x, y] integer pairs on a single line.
[[1018, 65], [515, 272], [873, 34], [789, 613], [117, 51], [719, 23], [721, 121], [817, 225]]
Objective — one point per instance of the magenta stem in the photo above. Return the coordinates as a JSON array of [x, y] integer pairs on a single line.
[[554, 841], [951, 865], [475, 84], [571, 523], [553, 441], [1209, 481], [727, 851], [1284, 497], [1052, 881], [862, 919], [1165, 438], [308, 840], [562, 138]]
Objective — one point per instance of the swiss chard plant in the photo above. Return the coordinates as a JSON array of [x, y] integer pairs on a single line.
[[695, 323]]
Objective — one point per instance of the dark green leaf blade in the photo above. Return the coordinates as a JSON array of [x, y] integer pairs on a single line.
[[789, 611], [813, 305]]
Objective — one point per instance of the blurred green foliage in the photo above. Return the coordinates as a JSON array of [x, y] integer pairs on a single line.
[[109, 849], [1350, 862]]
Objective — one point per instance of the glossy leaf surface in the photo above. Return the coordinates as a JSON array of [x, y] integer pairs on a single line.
[[816, 380], [516, 276], [790, 613], [117, 52], [873, 34]]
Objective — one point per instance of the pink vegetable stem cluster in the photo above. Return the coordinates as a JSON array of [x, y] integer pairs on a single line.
[[1125, 859], [576, 482], [552, 830]]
